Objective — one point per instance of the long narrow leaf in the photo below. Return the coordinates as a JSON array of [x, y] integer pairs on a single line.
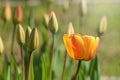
[[5, 71], [8, 73], [43, 69], [14, 64], [31, 69]]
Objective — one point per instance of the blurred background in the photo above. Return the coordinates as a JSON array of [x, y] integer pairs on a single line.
[[69, 11]]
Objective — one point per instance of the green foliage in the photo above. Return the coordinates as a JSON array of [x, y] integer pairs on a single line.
[[94, 69], [31, 69], [13, 63], [6, 70], [43, 69]]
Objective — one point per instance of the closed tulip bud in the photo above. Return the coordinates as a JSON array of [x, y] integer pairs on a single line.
[[46, 20], [83, 7], [70, 29], [66, 5], [1, 46], [27, 35], [20, 35], [18, 14], [6, 12], [53, 23], [102, 25], [50, 1], [34, 39]]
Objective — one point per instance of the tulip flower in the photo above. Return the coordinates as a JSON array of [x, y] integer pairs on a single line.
[[81, 47]]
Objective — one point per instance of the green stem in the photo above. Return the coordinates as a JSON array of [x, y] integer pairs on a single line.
[[12, 42], [52, 54], [13, 38], [29, 58], [77, 71], [23, 68], [64, 64]]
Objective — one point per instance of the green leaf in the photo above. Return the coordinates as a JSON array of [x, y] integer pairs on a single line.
[[6, 70], [82, 73], [94, 69], [31, 69], [14, 64], [8, 73], [43, 69]]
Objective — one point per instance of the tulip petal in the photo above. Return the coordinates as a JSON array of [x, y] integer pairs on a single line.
[[95, 48], [77, 46], [68, 45], [91, 44]]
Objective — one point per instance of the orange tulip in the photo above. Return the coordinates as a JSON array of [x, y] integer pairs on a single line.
[[81, 47]]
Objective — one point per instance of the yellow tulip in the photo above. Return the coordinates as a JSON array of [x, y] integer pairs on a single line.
[[81, 47]]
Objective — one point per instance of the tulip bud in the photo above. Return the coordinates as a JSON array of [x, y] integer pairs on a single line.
[[27, 35], [1, 46], [66, 5], [34, 39], [83, 7], [18, 14], [6, 12], [46, 20], [70, 29], [102, 25], [20, 35], [53, 23]]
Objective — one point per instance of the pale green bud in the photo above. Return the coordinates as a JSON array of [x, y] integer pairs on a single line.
[[66, 5], [46, 20], [20, 35], [70, 29], [83, 7], [34, 39], [1, 46], [103, 25], [27, 34], [53, 23]]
